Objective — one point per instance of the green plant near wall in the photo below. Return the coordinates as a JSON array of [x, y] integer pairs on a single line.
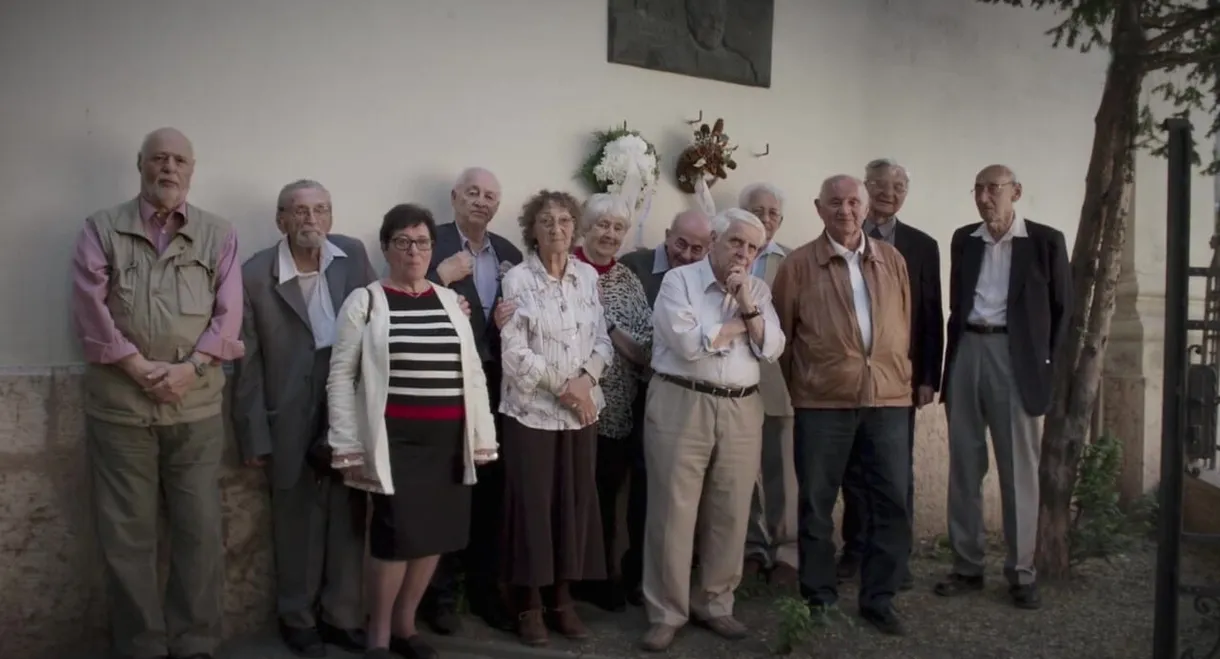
[[1100, 526]]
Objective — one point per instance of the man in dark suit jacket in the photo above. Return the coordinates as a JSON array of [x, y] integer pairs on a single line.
[[887, 183], [1010, 299], [687, 240], [471, 260], [293, 292]]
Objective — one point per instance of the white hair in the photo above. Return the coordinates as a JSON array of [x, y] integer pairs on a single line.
[[885, 163], [602, 205], [829, 182], [471, 172], [292, 188], [750, 191], [726, 218]]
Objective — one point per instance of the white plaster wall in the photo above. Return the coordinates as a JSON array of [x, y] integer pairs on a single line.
[[385, 100]]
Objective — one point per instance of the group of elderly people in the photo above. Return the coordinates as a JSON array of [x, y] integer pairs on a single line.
[[475, 415]]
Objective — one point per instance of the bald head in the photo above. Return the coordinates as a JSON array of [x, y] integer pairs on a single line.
[[476, 198], [688, 237], [166, 163], [996, 190]]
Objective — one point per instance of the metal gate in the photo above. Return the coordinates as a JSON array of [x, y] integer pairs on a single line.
[[1188, 417]]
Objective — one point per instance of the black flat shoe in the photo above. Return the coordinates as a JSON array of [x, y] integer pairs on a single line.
[[414, 647], [958, 584]]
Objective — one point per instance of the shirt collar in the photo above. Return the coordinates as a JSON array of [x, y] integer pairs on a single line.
[[535, 264], [288, 267], [660, 260], [707, 277], [466, 241], [1015, 230], [147, 211], [843, 251], [886, 229], [771, 248]]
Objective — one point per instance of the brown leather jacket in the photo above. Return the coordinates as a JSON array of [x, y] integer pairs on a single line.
[[824, 361]]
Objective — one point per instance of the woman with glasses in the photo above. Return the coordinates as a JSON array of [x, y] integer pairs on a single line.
[[554, 349], [410, 418]]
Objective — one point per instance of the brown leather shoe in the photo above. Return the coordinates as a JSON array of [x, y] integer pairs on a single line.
[[531, 628], [568, 623], [784, 576], [658, 638], [726, 627]]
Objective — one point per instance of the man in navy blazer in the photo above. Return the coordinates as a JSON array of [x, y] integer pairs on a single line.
[[471, 260]]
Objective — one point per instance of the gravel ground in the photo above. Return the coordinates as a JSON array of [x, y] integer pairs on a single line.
[[1104, 613]]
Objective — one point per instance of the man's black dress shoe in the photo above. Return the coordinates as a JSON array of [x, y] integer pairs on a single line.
[[352, 640], [1025, 596], [885, 620], [302, 641]]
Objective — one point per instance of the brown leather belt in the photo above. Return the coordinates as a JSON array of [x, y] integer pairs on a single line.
[[986, 329], [710, 389]]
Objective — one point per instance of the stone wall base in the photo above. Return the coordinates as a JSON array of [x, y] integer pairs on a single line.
[[52, 598]]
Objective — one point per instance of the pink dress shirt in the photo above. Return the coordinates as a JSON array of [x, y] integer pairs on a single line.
[[102, 341]]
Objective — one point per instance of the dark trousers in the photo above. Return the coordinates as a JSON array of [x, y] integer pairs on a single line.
[[855, 511], [619, 459], [825, 443], [479, 563]]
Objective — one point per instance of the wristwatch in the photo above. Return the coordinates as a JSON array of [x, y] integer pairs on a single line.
[[586, 372], [752, 314], [198, 364]]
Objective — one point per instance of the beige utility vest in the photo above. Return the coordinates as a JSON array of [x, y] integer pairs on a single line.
[[162, 304]]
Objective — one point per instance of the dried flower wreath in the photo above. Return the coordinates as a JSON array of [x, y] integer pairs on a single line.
[[709, 158]]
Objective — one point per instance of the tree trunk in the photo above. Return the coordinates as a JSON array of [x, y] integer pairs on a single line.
[[1095, 271]]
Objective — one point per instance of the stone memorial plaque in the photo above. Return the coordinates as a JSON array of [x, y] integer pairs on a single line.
[[726, 40]]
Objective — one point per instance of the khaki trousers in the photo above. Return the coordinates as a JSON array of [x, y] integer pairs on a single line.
[[702, 455], [133, 469]]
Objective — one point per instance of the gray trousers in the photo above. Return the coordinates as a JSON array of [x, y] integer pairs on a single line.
[[771, 535], [319, 552], [983, 397], [133, 469], [318, 527]]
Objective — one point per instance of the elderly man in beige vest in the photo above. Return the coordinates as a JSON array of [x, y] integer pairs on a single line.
[[157, 304], [771, 536], [713, 323]]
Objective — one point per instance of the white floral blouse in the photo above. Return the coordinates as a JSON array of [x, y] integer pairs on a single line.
[[558, 330]]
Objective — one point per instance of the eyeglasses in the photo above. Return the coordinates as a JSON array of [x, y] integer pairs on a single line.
[[989, 188], [304, 212], [404, 244]]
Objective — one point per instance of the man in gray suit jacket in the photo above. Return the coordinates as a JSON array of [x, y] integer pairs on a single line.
[[293, 291]]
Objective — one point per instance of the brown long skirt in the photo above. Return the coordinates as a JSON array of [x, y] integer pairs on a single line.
[[552, 520]]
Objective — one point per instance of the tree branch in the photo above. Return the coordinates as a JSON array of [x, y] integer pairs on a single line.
[[1176, 25], [1156, 61]]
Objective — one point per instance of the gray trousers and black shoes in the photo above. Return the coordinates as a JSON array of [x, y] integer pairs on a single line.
[[983, 396], [825, 442], [318, 532]]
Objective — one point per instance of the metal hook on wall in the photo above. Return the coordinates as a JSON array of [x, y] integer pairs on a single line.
[[695, 121], [766, 152]]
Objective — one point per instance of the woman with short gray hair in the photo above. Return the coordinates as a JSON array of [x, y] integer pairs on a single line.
[[607, 219]]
